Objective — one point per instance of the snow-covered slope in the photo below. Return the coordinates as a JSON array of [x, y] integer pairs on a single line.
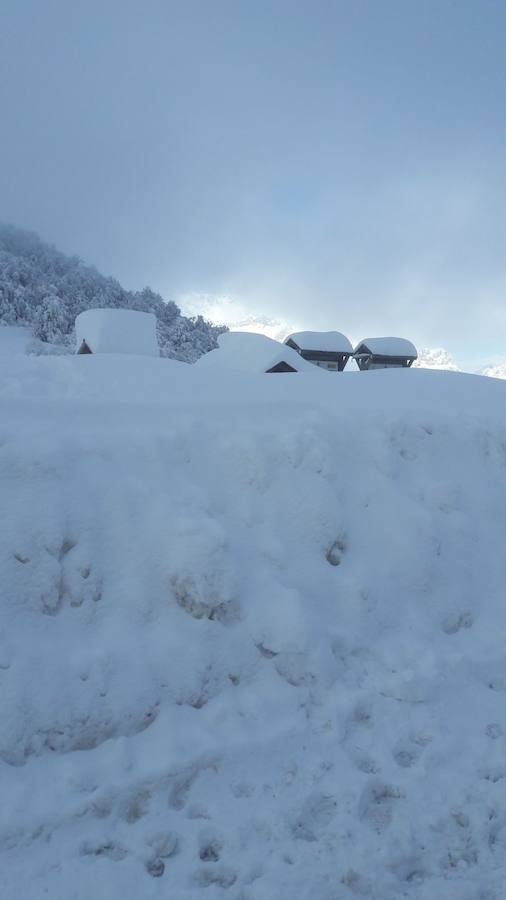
[[252, 633], [46, 290]]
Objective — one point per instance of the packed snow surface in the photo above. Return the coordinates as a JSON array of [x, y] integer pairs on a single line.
[[117, 331], [388, 346], [250, 353], [252, 633], [327, 341], [14, 340]]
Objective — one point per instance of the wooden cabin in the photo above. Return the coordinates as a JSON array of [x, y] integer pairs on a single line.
[[329, 350], [385, 353], [251, 353]]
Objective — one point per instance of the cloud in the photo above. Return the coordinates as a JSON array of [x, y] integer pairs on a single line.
[[333, 165]]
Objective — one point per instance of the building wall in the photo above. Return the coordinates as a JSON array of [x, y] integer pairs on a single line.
[[385, 365], [325, 365]]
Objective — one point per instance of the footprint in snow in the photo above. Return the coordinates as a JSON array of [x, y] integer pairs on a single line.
[[406, 752], [454, 622], [210, 846], [376, 804], [336, 550], [310, 821]]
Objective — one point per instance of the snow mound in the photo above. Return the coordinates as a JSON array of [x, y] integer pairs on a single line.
[[248, 352], [252, 633], [325, 341], [117, 331]]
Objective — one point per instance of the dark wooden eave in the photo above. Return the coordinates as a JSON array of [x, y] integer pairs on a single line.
[[364, 358], [281, 367], [340, 358]]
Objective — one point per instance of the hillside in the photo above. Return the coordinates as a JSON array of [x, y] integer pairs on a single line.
[[44, 289], [252, 633]]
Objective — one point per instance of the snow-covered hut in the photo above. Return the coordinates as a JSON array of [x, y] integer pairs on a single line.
[[327, 349], [245, 351], [116, 331], [385, 353]]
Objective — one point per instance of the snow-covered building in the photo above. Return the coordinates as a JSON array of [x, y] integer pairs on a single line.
[[245, 351], [327, 349], [385, 353], [116, 331]]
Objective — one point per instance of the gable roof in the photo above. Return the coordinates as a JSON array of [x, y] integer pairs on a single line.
[[245, 351], [281, 367], [387, 346], [117, 331], [325, 341]]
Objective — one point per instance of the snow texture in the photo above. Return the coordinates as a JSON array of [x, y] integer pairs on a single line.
[[388, 346], [117, 331], [251, 353], [327, 341], [252, 633], [14, 340]]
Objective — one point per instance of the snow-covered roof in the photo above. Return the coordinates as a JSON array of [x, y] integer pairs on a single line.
[[326, 341], [117, 331], [388, 346], [247, 352]]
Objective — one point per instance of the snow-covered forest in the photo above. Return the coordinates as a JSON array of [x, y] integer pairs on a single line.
[[45, 289]]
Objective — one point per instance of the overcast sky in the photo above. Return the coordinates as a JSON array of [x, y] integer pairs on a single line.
[[334, 164]]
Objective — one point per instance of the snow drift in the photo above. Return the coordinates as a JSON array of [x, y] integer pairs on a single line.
[[252, 633]]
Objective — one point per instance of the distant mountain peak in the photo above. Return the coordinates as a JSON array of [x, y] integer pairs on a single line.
[[436, 358], [497, 370]]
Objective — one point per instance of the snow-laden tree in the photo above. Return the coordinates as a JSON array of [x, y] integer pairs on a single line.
[[48, 323]]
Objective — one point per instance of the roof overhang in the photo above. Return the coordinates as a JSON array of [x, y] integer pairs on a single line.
[[325, 355]]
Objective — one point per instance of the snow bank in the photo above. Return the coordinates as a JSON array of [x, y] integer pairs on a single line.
[[248, 352], [326, 341], [252, 633], [117, 331]]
